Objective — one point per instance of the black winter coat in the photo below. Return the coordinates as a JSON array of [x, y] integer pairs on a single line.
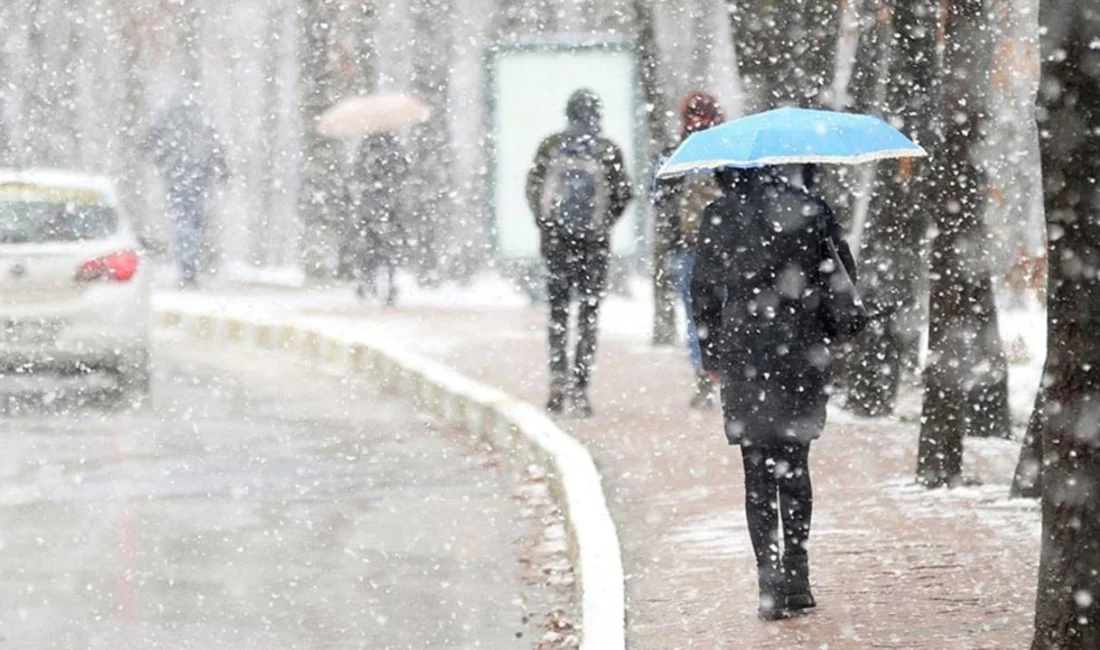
[[376, 191], [757, 305]]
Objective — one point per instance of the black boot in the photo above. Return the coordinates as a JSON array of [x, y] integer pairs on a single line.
[[580, 407], [773, 594], [706, 396], [555, 404], [799, 596]]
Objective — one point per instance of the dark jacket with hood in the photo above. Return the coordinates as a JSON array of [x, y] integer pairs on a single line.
[[585, 128], [187, 150], [757, 305]]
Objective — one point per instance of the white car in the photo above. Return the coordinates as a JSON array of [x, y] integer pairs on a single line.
[[74, 288]]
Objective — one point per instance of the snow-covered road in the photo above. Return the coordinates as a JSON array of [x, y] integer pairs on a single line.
[[254, 504]]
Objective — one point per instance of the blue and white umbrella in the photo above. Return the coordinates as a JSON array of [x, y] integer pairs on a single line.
[[787, 136]]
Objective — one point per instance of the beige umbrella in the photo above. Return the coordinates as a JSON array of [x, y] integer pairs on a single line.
[[356, 117]]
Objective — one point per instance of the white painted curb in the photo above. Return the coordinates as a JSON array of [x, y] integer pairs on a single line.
[[472, 406]]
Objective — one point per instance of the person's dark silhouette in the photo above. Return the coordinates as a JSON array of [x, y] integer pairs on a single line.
[[758, 294], [377, 237], [577, 188], [191, 159]]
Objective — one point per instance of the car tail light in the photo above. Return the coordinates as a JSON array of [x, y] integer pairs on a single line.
[[116, 267]]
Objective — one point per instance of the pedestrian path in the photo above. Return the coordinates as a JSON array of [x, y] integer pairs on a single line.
[[893, 566]]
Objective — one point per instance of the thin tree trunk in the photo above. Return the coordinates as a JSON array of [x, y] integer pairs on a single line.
[[1027, 480], [431, 178], [1067, 608], [786, 50], [874, 53], [892, 254], [40, 71], [272, 191], [658, 131], [702, 40], [134, 115], [69, 144], [966, 380], [6, 153], [321, 195]]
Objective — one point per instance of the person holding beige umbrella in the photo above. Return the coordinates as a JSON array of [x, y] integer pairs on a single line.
[[358, 117], [376, 237]]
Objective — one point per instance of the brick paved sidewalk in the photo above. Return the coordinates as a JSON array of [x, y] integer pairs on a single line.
[[893, 566]]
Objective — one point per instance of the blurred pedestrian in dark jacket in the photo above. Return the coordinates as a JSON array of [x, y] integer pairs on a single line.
[[191, 158], [577, 189], [376, 193], [680, 203], [758, 301]]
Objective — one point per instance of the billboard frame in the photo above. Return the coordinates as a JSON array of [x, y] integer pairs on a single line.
[[567, 44]]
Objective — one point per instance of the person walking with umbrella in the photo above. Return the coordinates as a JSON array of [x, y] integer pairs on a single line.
[[375, 235], [376, 196], [679, 203], [773, 292]]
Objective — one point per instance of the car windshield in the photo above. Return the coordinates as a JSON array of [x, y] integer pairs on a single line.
[[32, 222]]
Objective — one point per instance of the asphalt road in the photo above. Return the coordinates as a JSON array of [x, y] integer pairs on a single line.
[[251, 504]]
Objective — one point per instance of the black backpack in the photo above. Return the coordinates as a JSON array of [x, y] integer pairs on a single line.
[[576, 197]]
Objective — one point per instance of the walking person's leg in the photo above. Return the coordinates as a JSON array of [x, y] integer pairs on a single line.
[[391, 279], [695, 351], [205, 251], [761, 512], [558, 289], [358, 259], [373, 255], [682, 265], [591, 279], [796, 501], [188, 237]]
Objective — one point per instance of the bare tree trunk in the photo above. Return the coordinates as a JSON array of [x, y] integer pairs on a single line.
[[702, 38], [134, 118], [966, 380], [786, 50], [430, 185], [874, 54], [36, 131], [68, 140], [271, 189], [321, 203], [1027, 480], [892, 253], [1067, 608], [6, 153], [658, 138]]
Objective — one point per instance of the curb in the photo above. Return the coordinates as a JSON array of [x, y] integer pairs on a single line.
[[446, 394]]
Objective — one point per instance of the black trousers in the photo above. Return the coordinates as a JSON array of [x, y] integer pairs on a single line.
[[778, 490], [574, 269]]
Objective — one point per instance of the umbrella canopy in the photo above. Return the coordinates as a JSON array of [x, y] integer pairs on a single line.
[[356, 117], [791, 136]]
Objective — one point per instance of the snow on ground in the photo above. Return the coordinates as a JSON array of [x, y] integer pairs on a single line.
[[288, 276]]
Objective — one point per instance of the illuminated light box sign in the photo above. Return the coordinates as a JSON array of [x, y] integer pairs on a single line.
[[530, 83]]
